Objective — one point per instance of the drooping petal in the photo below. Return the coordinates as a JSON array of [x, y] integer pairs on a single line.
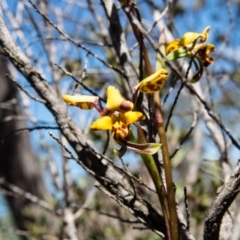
[[146, 148], [189, 39], [153, 83], [104, 123], [132, 117], [116, 102], [81, 101]]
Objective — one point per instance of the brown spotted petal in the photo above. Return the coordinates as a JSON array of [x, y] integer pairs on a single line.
[[204, 54], [152, 83], [81, 101]]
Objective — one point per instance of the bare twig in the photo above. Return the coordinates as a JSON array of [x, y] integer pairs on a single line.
[[29, 130], [186, 135], [22, 89], [18, 192], [78, 44], [221, 204]]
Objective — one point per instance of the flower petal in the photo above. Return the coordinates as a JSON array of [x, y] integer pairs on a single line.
[[104, 123], [172, 46], [146, 148], [204, 52], [116, 102], [81, 101], [153, 83], [132, 117], [189, 39]]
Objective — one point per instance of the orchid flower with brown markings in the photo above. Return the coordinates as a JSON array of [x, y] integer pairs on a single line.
[[117, 116], [192, 45]]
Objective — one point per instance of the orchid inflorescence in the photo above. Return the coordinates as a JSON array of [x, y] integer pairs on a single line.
[[118, 113]]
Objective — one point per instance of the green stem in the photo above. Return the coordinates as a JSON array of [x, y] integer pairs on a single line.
[[171, 219], [168, 170], [156, 177]]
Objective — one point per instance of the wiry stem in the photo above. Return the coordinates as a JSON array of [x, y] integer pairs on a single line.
[[171, 208], [167, 168], [157, 180]]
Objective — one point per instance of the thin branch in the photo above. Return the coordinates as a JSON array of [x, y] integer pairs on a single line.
[[75, 42], [79, 82], [18, 192], [22, 89], [186, 208], [85, 205], [29, 130], [173, 106], [221, 204], [83, 75], [113, 216], [186, 135]]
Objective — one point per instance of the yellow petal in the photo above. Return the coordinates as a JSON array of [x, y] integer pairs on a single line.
[[172, 46], [205, 33], [81, 101], [132, 117], [116, 102], [189, 39], [209, 48], [153, 83], [104, 123]]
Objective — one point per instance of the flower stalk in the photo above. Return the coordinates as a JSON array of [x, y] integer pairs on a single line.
[[170, 196], [157, 180], [169, 210]]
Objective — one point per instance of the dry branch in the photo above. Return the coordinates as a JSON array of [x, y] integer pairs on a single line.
[[221, 204]]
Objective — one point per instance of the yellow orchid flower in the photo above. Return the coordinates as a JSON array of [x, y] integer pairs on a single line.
[[152, 83], [117, 122], [116, 116], [189, 42], [81, 101]]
